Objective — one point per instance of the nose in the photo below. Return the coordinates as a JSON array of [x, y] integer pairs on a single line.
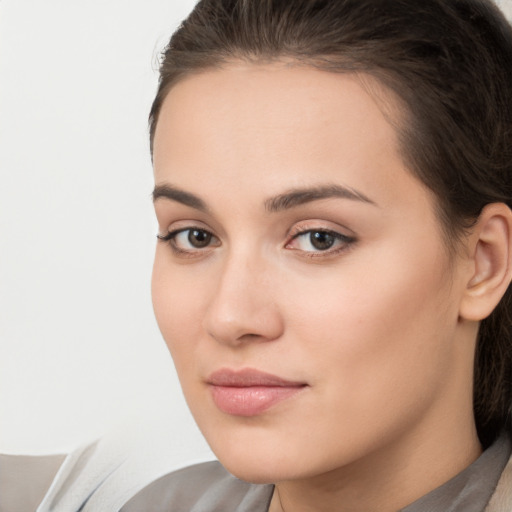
[[243, 306]]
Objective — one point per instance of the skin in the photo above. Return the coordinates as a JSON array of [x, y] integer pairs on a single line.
[[373, 326]]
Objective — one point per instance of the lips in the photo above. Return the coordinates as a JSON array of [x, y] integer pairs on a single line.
[[249, 392]]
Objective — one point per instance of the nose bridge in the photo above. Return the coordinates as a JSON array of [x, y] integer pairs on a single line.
[[243, 306]]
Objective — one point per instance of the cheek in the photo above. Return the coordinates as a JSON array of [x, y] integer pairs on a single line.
[[375, 336], [177, 303]]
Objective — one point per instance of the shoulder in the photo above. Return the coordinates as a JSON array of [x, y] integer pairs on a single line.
[[205, 487], [104, 477], [501, 500]]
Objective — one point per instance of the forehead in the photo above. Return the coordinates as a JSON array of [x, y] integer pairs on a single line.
[[274, 125], [278, 93]]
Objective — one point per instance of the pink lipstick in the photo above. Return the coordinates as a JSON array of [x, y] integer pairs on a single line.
[[249, 392]]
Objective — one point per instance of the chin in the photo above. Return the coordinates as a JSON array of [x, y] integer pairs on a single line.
[[265, 457], [259, 471]]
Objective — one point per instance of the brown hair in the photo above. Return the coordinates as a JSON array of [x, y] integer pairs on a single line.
[[450, 64]]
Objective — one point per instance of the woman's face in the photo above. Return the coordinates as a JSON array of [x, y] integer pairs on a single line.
[[304, 288]]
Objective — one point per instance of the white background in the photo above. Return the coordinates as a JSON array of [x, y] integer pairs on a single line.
[[79, 349]]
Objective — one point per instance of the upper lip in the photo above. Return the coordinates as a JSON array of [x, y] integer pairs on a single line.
[[249, 377]]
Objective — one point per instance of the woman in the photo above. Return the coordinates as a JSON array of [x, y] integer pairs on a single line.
[[332, 188]]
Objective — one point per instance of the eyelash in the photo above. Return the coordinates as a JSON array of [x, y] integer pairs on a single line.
[[170, 238], [300, 231], [345, 242]]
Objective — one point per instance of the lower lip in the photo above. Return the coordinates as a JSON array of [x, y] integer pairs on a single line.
[[251, 400]]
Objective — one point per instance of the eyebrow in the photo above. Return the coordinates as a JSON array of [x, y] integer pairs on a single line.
[[300, 196], [180, 196], [290, 199]]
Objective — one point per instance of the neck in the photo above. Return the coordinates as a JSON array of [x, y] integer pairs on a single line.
[[386, 480]]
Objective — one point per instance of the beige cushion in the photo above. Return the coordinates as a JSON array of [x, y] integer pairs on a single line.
[[25, 479]]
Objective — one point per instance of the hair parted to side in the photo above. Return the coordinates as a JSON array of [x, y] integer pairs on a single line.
[[449, 62]]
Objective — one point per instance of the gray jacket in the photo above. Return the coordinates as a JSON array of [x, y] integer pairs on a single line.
[[95, 479]]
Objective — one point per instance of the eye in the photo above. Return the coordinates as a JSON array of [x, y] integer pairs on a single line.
[[316, 241], [194, 238], [190, 240]]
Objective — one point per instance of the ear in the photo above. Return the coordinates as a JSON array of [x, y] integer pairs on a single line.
[[490, 258]]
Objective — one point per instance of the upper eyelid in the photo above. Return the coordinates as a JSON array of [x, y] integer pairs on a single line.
[[173, 232], [183, 225], [190, 228], [319, 225], [320, 230]]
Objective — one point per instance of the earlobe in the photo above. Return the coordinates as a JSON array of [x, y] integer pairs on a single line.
[[491, 262]]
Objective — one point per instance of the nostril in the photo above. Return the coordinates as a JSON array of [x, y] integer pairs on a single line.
[[252, 338], [233, 339]]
